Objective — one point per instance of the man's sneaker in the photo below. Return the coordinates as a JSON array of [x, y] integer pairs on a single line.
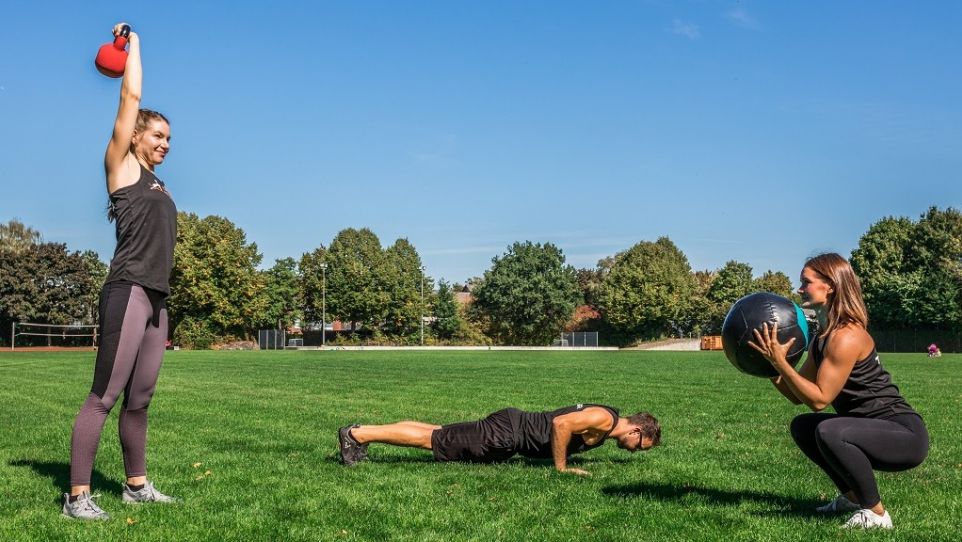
[[148, 493], [83, 508], [867, 519], [840, 505], [352, 451]]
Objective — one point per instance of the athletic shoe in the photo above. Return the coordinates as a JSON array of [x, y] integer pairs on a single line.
[[83, 508], [352, 451], [839, 505], [867, 519], [148, 493]]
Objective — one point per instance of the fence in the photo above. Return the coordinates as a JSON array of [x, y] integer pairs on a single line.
[[889, 340], [271, 339], [916, 340], [35, 335], [580, 339]]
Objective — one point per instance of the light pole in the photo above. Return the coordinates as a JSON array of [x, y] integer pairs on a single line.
[[422, 305], [324, 305]]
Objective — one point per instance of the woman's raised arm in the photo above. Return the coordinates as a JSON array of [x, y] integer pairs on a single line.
[[118, 149]]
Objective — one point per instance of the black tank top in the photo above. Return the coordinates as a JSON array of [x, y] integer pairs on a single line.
[[146, 232], [535, 432], [869, 391]]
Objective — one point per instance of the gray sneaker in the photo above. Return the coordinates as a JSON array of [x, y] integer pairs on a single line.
[[148, 493], [352, 451], [83, 508]]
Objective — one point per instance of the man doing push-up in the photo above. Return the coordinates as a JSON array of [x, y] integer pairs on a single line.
[[555, 434]]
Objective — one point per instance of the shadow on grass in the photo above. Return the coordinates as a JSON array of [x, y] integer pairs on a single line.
[[390, 459], [59, 473], [400, 459], [575, 460], [527, 462], [775, 505], [427, 457]]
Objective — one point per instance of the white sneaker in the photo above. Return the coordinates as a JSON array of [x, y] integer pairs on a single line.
[[145, 494], [839, 505], [83, 508], [867, 519]]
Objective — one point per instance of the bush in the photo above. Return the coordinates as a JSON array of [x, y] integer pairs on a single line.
[[194, 334], [234, 344]]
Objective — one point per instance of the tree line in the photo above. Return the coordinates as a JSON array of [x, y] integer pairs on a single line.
[[911, 273]]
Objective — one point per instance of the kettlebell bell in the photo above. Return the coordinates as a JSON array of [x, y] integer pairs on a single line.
[[112, 57]]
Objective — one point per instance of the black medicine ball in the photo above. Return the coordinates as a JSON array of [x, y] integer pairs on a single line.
[[748, 314]]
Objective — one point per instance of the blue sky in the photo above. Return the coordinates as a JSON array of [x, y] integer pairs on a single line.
[[758, 131]]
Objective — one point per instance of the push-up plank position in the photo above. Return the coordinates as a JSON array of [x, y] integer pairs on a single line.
[[503, 434]]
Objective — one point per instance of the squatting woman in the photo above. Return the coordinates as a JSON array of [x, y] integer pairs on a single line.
[[873, 427]]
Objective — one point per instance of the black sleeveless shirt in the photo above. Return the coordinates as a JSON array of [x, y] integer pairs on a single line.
[[869, 391], [534, 439], [146, 220]]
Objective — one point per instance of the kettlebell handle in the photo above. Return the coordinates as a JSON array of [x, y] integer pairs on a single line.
[[121, 40]]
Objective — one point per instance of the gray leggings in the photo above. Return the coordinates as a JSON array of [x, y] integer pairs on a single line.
[[848, 449], [133, 335]]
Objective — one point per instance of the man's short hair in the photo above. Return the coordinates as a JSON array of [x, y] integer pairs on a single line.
[[649, 426]]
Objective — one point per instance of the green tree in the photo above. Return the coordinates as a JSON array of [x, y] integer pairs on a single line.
[[700, 315], [937, 241], [911, 272], [215, 285], [355, 279], [282, 290], [16, 237], [935, 254], [882, 263], [447, 316], [409, 290], [528, 294], [97, 274], [312, 284], [732, 282], [648, 292], [775, 282], [46, 283], [590, 280]]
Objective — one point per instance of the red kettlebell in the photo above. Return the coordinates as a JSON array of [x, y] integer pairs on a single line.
[[112, 57]]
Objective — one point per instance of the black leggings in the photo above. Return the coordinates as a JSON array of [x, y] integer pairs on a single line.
[[133, 332], [849, 448]]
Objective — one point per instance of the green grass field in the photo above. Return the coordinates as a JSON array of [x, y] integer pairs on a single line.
[[248, 441]]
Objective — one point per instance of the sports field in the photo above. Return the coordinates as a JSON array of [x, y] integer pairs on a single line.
[[248, 441]]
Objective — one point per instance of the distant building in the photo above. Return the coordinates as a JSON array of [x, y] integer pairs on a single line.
[[463, 298]]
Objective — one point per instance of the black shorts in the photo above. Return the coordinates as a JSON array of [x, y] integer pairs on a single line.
[[484, 441]]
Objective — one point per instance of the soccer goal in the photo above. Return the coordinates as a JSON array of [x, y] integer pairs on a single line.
[[52, 336]]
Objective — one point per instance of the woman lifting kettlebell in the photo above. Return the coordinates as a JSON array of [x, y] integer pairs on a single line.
[[133, 315]]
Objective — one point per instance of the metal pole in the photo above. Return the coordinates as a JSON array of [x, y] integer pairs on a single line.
[[422, 305], [13, 334], [324, 306]]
